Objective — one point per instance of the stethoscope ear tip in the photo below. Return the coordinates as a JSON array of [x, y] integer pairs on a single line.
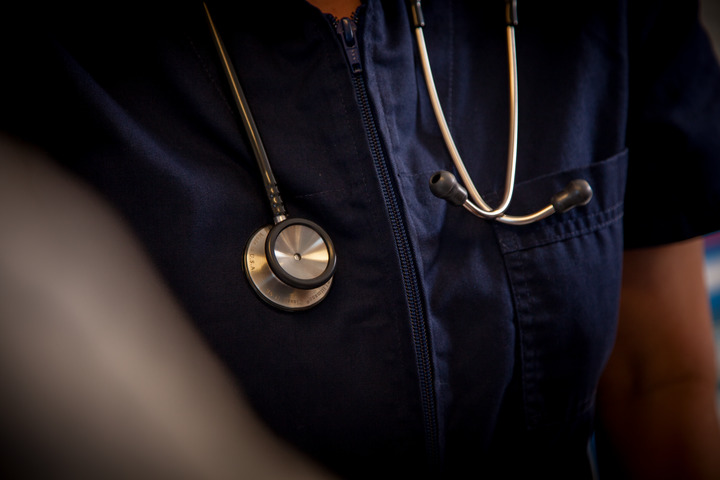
[[576, 193], [444, 185]]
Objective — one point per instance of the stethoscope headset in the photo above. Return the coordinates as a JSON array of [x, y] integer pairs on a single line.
[[291, 263]]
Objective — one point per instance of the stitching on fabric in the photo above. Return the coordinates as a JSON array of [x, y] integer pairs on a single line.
[[334, 191], [213, 81], [527, 364], [423, 174], [535, 414], [615, 212]]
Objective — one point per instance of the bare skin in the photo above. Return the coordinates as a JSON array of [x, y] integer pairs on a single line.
[[338, 8], [657, 397]]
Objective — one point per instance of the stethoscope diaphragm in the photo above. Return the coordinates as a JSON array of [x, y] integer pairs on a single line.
[[290, 265]]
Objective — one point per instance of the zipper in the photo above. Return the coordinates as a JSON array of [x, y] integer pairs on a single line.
[[346, 29]]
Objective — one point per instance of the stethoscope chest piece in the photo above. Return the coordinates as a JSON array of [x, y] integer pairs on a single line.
[[291, 264]]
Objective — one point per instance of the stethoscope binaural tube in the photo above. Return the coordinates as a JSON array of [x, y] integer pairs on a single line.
[[576, 193], [444, 184], [291, 263]]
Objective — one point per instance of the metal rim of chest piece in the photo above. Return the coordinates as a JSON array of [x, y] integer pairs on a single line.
[[300, 258]]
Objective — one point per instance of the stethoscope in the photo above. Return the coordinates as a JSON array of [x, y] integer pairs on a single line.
[[291, 263], [444, 184]]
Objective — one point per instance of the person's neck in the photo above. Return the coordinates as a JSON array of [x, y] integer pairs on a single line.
[[338, 8]]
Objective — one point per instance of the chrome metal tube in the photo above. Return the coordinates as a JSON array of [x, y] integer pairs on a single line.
[[513, 127], [484, 210], [445, 130], [511, 219]]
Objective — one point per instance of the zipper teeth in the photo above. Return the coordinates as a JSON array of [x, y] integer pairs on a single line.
[[411, 285], [354, 16], [407, 262]]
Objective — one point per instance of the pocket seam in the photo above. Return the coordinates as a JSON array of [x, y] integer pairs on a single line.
[[615, 213]]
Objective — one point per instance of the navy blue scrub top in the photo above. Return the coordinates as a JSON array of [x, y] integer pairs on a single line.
[[447, 343]]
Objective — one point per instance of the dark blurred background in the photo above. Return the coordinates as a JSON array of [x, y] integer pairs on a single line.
[[710, 15]]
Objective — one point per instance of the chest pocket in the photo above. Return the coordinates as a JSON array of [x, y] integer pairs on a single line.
[[564, 274]]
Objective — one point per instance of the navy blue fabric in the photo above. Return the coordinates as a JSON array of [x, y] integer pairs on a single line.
[[517, 321]]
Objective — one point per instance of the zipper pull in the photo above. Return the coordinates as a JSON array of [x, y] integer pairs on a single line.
[[347, 31]]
